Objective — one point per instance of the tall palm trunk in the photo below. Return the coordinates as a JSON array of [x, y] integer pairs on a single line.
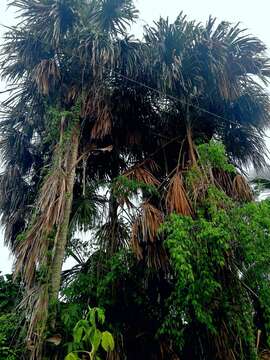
[[191, 152], [62, 233]]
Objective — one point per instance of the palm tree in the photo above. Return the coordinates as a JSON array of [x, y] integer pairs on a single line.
[[103, 129], [216, 70], [58, 59], [211, 78]]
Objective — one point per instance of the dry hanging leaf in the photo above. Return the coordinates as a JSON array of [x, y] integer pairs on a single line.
[[46, 74], [176, 199], [157, 257], [223, 179], [103, 125], [150, 222], [50, 208], [241, 189], [141, 174]]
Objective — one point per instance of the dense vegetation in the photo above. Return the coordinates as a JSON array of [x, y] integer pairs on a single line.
[[128, 156]]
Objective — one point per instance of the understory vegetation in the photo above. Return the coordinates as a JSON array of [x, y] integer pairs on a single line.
[[128, 156]]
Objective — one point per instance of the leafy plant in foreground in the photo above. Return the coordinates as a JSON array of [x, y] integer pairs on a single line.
[[87, 335]]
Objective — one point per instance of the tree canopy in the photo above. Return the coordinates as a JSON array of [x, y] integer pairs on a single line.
[[139, 146]]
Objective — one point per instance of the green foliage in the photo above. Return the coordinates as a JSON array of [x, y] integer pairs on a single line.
[[199, 250], [9, 292], [70, 314], [213, 154], [119, 285], [87, 335], [126, 188], [8, 329], [118, 269], [57, 119], [190, 242], [10, 320]]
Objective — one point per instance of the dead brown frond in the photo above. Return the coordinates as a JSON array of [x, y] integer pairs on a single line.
[[166, 350], [223, 180], [228, 88], [241, 189], [112, 235], [145, 228], [35, 303], [97, 106], [46, 75], [177, 199], [119, 349], [150, 221], [144, 239], [157, 257], [32, 251], [103, 124], [192, 153], [72, 94], [87, 108], [141, 174]]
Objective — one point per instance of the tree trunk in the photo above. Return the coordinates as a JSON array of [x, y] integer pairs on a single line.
[[113, 210], [62, 233], [191, 152]]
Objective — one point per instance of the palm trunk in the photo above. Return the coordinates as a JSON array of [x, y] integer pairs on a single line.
[[113, 208], [192, 156], [62, 233]]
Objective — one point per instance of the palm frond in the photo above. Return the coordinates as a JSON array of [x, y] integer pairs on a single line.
[[141, 174], [35, 304], [103, 124], [177, 199], [51, 20], [32, 251], [46, 75], [113, 16], [241, 189], [150, 221]]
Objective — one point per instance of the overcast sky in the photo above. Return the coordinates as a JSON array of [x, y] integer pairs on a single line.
[[254, 15]]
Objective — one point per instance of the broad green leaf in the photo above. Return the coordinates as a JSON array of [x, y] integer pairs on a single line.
[[96, 339], [70, 347], [89, 333], [81, 326], [82, 323], [92, 316], [101, 315], [107, 341], [72, 356], [77, 334]]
